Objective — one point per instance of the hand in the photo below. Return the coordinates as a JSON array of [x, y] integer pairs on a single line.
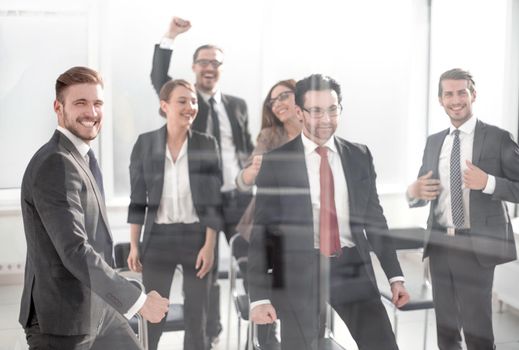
[[474, 178], [251, 172], [204, 260], [400, 294], [263, 314], [155, 307], [177, 26], [424, 188], [134, 264]]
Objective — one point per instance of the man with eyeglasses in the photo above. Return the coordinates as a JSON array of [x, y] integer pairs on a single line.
[[317, 218], [226, 118]]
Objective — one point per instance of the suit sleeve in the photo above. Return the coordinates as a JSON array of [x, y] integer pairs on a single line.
[[415, 203], [160, 66], [377, 231], [139, 193], [59, 197], [212, 182], [267, 204], [507, 185], [249, 146]]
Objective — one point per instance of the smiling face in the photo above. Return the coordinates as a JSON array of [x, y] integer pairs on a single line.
[[456, 99], [319, 129], [181, 107], [80, 110], [208, 74], [283, 103]]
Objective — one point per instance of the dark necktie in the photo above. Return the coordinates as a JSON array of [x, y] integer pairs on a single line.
[[96, 171], [456, 192], [329, 241], [215, 120]]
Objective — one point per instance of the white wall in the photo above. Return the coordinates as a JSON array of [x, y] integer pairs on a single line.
[[376, 49]]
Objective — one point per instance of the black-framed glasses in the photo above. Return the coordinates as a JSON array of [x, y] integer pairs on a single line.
[[281, 97], [204, 63], [318, 112]]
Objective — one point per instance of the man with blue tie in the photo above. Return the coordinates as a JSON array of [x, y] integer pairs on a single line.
[[468, 172], [72, 298]]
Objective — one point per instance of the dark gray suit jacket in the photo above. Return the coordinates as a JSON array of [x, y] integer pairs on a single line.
[[147, 179], [235, 107], [496, 153], [68, 273], [283, 235]]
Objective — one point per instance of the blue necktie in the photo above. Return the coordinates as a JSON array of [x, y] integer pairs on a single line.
[[456, 192], [96, 171]]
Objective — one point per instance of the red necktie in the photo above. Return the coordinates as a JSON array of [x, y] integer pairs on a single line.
[[328, 226]]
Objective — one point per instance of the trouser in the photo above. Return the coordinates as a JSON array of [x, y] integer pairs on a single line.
[[462, 294], [234, 204], [113, 332], [350, 290], [170, 245]]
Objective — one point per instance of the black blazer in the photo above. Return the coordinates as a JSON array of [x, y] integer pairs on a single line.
[[283, 238], [147, 179], [236, 107], [496, 153], [68, 272]]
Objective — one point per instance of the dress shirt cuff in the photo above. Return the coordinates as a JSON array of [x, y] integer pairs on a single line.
[[491, 185], [259, 302], [167, 43], [411, 201], [136, 307], [242, 186], [396, 279]]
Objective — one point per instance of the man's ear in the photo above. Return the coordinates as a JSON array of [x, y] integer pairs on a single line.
[[299, 113], [58, 107]]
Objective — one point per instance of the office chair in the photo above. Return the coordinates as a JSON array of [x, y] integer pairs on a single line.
[[239, 299], [175, 318], [326, 343], [418, 287], [140, 325]]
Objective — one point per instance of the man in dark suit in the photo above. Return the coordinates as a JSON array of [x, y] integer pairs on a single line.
[[468, 172], [72, 297], [226, 118], [317, 218]]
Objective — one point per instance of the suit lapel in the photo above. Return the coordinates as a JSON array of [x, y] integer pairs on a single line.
[[236, 126], [200, 122], [81, 162], [479, 138], [436, 147], [158, 152]]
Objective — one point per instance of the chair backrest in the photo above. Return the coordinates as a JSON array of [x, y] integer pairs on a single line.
[[121, 252]]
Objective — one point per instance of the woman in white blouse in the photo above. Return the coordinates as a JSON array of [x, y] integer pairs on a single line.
[[175, 195]]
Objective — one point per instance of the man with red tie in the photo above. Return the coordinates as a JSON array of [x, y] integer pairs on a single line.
[[317, 218]]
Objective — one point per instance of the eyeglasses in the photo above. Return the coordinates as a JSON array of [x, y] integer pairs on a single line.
[[205, 63], [318, 113], [281, 97]]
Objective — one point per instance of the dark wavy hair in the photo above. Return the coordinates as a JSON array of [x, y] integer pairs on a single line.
[[456, 74], [75, 76], [268, 119]]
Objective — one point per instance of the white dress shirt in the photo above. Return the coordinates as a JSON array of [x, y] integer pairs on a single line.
[[176, 203], [83, 149], [443, 210], [313, 161], [230, 165]]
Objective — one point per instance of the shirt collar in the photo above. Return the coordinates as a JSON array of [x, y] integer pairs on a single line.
[[310, 146], [217, 96], [467, 128], [80, 145], [183, 150]]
